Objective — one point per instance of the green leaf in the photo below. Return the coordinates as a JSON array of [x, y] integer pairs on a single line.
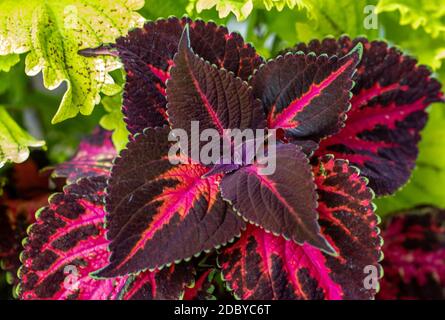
[[243, 8], [114, 121], [428, 14], [425, 186], [240, 8], [53, 31], [416, 42], [14, 141], [155, 9], [8, 61], [334, 18]]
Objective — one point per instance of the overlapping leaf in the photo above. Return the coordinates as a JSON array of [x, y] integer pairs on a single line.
[[26, 191], [263, 266], [306, 95], [14, 141], [154, 205], [388, 111], [167, 284], [422, 187], [414, 251], [284, 202], [203, 287], [200, 92], [93, 158], [147, 54], [243, 8], [68, 242], [428, 14]]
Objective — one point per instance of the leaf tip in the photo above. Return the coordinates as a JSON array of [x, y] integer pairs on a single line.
[[184, 42], [102, 50], [357, 51]]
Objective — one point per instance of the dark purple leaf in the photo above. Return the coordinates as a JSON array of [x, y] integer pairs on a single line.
[[147, 54], [169, 283], [306, 95], [68, 242], [198, 91], [284, 202], [263, 266], [154, 205], [391, 95]]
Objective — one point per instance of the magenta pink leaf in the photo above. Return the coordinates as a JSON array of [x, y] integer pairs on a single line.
[[154, 205], [414, 251], [15, 217], [26, 191], [68, 242], [147, 54], [305, 95], [263, 266], [93, 158], [388, 111], [203, 287], [283, 202], [166, 284]]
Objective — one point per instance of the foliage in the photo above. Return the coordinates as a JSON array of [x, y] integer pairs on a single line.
[[414, 255], [14, 141], [8, 61], [423, 187], [158, 207], [42, 39], [243, 8], [425, 14], [53, 31]]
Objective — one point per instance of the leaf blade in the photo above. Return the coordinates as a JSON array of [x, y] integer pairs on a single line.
[[388, 111], [263, 266], [200, 92], [299, 90], [270, 202], [53, 32], [14, 141], [148, 67], [154, 204]]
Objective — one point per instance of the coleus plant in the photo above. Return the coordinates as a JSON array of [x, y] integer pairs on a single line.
[[307, 231], [414, 250], [25, 192]]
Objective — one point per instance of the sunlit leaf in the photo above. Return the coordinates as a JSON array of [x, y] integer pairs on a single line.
[[8, 61], [428, 14], [114, 121], [14, 141], [53, 32]]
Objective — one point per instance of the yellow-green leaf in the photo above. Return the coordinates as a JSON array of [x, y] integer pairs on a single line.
[[114, 121], [428, 14], [14, 141], [53, 31], [8, 61], [242, 8]]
